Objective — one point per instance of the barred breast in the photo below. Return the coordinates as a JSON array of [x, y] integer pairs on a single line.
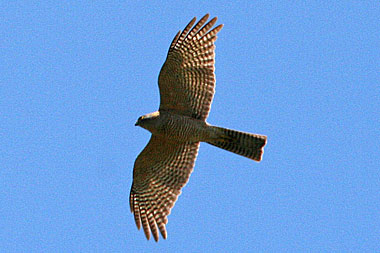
[[183, 128]]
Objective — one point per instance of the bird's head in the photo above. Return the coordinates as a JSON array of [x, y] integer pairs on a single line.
[[148, 121]]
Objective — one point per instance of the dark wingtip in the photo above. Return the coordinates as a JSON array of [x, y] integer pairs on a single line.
[[206, 16], [147, 234]]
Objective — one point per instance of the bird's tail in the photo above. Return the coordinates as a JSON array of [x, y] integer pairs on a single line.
[[245, 144]]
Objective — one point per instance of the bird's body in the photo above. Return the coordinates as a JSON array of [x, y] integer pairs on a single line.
[[178, 127], [186, 83]]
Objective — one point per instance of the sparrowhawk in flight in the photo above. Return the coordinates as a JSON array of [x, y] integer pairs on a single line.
[[186, 84]]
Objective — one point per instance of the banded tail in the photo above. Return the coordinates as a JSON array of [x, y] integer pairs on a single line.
[[244, 144]]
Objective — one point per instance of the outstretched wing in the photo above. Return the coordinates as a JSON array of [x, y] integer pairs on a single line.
[[187, 79], [160, 171]]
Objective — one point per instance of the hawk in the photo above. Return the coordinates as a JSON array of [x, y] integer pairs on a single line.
[[186, 84]]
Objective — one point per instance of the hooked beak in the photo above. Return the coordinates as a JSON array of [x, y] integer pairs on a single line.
[[137, 123]]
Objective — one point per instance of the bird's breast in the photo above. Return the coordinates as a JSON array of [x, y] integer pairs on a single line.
[[184, 129]]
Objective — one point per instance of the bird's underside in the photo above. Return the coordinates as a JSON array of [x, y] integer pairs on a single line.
[[186, 83]]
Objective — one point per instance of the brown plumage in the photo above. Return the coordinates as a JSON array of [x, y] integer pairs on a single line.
[[186, 83]]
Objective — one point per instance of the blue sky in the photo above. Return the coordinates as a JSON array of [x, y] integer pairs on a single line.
[[75, 76]]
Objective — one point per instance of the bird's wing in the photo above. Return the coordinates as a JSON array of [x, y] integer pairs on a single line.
[[187, 78], [159, 173]]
